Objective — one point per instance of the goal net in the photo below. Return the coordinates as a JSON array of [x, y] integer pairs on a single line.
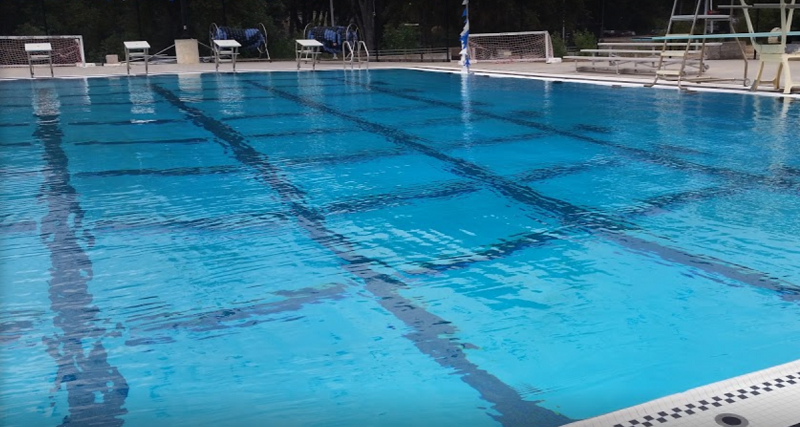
[[511, 47], [67, 50]]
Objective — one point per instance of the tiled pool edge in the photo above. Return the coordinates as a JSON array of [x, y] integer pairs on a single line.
[[763, 398], [595, 79], [605, 80]]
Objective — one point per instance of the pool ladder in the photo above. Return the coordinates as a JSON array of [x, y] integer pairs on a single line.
[[355, 53]]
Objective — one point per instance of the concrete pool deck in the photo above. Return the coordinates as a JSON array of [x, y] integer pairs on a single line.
[[726, 70]]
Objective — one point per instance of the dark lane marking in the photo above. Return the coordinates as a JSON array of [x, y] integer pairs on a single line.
[[344, 94], [658, 204], [312, 131], [13, 330], [220, 223], [297, 114], [13, 125], [227, 318], [18, 226], [602, 225], [741, 177], [127, 122], [16, 144], [339, 159], [356, 157], [389, 109], [387, 200], [444, 189], [153, 141], [225, 98], [557, 171], [503, 249], [96, 391], [189, 171], [431, 334]]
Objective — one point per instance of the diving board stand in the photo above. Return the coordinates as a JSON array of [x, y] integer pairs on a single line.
[[777, 53], [137, 49], [39, 52], [307, 51], [226, 51], [701, 14], [768, 53]]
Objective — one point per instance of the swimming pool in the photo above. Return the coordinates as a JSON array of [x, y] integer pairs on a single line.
[[389, 247]]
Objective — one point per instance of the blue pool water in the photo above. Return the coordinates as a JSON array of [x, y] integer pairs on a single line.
[[386, 248]]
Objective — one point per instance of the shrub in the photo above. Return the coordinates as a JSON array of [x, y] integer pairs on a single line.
[[559, 46], [585, 39]]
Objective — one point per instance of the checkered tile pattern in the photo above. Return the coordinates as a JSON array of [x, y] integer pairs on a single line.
[[700, 406]]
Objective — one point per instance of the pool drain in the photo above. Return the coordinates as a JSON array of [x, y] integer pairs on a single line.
[[731, 420]]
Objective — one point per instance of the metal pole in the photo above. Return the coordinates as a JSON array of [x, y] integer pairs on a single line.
[[563, 20], [139, 20], [44, 18], [758, 18], [224, 14], [332, 20], [375, 32], [184, 20], [603, 20]]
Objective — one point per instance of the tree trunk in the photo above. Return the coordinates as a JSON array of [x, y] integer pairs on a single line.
[[366, 22]]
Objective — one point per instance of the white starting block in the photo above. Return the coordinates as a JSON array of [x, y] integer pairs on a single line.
[[308, 50], [39, 52], [226, 49], [137, 49]]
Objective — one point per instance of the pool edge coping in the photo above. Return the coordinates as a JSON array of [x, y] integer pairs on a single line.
[[599, 80], [700, 405]]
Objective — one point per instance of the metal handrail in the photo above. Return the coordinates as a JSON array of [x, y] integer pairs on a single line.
[[355, 54]]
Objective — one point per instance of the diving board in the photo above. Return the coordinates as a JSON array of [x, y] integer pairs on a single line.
[[722, 36]]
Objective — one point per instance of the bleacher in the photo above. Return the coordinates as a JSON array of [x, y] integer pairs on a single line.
[[632, 57]]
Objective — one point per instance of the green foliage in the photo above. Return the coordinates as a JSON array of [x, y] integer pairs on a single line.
[[559, 46], [105, 23], [400, 37], [29, 29], [584, 39]]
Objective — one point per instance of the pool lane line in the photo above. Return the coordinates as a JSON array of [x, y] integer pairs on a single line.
[[240, 316], [126, 122], [310, 131], [430, 333], [601, 225], [149, 141], [447, 189], [21, 226], [512, 244], [227, 223], [292, 114], [741, 177], [442, 190], [186, 171], [96, 391], [356, 157]]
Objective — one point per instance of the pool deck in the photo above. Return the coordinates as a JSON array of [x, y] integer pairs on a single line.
[[724, 70], [762, 398]]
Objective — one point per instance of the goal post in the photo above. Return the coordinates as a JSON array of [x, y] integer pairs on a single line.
[[67, 50], [526, 46]]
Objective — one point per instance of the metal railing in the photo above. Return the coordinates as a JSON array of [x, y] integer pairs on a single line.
[[355, 55], [434, 54]]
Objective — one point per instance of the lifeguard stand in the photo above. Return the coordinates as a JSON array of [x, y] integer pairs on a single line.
[[701, 20]]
